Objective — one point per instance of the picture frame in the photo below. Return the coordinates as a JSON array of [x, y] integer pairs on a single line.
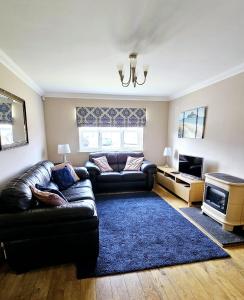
[[192, 123]]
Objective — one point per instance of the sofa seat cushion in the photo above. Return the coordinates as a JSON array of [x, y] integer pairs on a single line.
[[74, 217], [82, 183], [76, 193], [109, 177], [133, 175], [68, 212]]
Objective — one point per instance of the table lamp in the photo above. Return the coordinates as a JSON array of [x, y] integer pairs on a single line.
[[167, 153], [64, 149]]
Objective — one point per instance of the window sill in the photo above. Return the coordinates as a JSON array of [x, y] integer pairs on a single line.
[[112, 150]]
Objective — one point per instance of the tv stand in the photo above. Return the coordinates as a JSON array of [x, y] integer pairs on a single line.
[[186, 187], [188, 176]]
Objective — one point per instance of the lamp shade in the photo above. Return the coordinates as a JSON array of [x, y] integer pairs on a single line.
[[167, 151], [63, 148]]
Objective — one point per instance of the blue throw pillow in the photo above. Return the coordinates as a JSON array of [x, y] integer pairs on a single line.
[[63, 178], [50, 190]]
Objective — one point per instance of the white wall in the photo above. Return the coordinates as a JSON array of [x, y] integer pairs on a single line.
[[61, 126], [223, 144], [15, 160]]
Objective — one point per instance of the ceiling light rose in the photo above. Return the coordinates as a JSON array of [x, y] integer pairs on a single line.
[[133, 72]]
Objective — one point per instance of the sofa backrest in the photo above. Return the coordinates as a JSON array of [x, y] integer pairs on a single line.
[[16, 195], [116, 160]]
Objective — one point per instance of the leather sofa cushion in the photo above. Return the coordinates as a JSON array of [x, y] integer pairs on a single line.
[[39, 173], [83, 183], [133, 175], [109, 177], [17, 196], [76, 193], [52, 186], [50, 230], [75, 217], [68, 212], [104, 187]]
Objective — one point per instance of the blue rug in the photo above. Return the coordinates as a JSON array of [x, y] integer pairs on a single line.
[[141, 231]]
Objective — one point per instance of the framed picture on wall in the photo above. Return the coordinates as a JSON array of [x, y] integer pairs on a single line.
[[201, 118], [192, 123]]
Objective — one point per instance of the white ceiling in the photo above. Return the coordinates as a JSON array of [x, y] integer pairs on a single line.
[[74, 46]]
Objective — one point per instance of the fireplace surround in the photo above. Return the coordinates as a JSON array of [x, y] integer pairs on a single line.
[[224, 199]]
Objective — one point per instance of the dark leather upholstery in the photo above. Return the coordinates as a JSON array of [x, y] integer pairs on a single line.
[[17, 196], [109, 177], [78, 193], [120, 180], [147, 167], [81, 172], [92, 168], [71, 211], [133, 175], [69, 231]]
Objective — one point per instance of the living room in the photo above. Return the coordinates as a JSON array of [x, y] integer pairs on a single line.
[[160, 230]]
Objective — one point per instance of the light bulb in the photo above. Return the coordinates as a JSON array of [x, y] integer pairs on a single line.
[[133, 62], [145, 68], [120, 67]]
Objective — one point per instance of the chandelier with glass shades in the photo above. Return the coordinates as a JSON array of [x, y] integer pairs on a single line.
[[133, 77]]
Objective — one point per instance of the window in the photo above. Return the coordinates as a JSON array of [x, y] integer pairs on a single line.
[[6, 133], [110, 138]]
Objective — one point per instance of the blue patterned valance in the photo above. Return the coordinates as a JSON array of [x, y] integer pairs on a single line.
[[6, 113], [110, 117]]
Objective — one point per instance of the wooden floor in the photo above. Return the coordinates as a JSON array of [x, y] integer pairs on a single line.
[[219, 279]]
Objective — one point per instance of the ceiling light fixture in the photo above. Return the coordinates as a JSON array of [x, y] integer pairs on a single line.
[[133, 72]]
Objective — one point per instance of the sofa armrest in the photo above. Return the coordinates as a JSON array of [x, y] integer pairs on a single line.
[[81, 172], [148, 166], [92, 168], [65, 213]]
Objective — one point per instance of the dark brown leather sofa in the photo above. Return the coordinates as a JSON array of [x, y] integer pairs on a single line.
[[120, 180], [33, 237]]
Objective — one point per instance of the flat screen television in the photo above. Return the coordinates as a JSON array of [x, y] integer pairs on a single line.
[[191, 165]]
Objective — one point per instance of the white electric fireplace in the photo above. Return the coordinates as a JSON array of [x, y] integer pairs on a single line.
[[224, 199]]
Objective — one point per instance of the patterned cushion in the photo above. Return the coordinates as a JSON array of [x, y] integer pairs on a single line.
[[133, 163], [48, 198], [102, 164], [50, 190], [69, 166]]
